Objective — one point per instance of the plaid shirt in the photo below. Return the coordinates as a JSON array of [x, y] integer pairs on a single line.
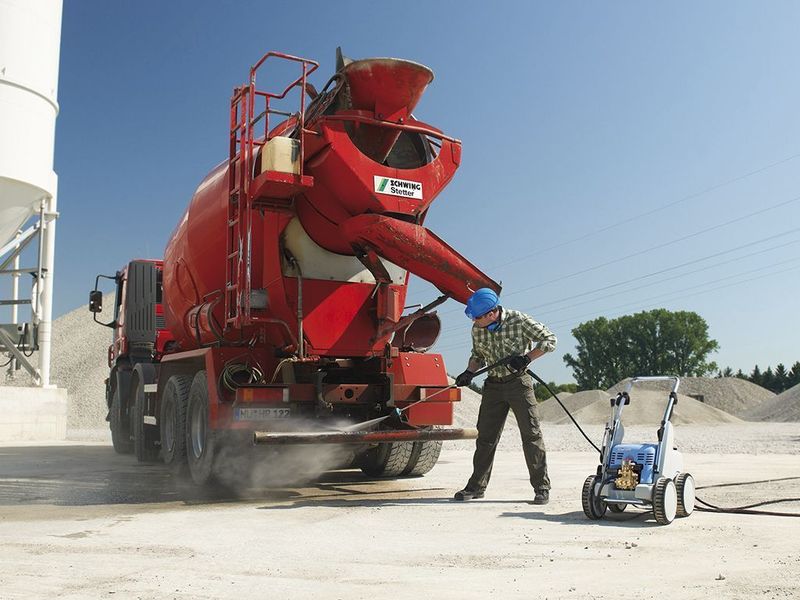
[[516, 335]]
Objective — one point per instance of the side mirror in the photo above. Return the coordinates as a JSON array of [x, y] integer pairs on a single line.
[[96, 301]]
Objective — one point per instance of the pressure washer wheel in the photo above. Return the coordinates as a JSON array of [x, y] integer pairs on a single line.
[[593, 505], [684, 486], [665, 501]]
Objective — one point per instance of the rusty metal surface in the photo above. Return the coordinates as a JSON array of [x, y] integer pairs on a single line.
[[364, 437]]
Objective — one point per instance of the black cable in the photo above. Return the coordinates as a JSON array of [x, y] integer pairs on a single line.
[[738, 483], [547, 387], [747, 509], [21, 344]]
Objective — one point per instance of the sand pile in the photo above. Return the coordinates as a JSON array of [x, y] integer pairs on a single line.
[[647, 408], [550, 410], [782, 408], [730, 394], [79, 363]]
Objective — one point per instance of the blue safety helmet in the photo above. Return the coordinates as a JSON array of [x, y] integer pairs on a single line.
[[481, 302]]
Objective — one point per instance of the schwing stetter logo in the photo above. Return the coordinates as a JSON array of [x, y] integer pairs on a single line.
[[398, 187]]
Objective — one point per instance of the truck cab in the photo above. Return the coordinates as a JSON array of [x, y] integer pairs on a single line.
[[139, 340]]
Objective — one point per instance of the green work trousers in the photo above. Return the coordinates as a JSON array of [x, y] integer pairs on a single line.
[[517, 395]]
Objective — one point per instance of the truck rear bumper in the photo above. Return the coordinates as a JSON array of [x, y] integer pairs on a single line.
[[363, 437]]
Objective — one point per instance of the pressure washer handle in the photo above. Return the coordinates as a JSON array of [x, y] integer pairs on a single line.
[[499, 363]]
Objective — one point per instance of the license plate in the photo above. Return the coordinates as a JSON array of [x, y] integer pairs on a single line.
[[261, 413]]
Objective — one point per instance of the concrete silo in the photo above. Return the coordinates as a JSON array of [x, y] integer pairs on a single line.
[[30, 37]]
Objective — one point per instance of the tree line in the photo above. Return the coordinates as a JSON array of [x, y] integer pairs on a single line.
[[776, 381]]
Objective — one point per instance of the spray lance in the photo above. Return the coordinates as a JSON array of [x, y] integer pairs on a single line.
[[399, 411]]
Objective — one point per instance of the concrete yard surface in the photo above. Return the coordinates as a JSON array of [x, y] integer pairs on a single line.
[[79, 521]]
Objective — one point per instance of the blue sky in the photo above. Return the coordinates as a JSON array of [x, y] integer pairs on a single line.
[[603, 143]]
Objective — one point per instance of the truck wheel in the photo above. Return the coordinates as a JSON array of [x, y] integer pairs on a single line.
[[665, 501], [593, 506], [386, 460], [200, 438], [423, 458], [120, 436], [684, 486], [172, 420], [145, 437]]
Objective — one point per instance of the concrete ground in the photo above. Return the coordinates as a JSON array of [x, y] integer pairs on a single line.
[[78, 521]]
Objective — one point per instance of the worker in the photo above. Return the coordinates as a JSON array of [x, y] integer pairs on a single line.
[[499, 333]]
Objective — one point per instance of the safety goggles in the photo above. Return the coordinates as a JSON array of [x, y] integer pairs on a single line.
[[484, 315]]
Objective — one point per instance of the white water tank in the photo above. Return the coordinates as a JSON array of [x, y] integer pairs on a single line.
[[30, 39]]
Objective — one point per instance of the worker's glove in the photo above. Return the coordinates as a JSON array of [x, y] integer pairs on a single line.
[[518, 363], [465, 378]]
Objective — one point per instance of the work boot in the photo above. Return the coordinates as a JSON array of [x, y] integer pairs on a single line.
[[542, 497], [467, 494]]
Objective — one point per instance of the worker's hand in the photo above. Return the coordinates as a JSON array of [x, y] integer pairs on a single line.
[[465, 378], [519, 363]]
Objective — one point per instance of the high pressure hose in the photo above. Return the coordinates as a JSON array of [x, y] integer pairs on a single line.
[[236, 374], [561, 404], [747, 509]]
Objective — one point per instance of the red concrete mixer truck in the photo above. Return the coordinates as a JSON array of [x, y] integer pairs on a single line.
[[277, 315]]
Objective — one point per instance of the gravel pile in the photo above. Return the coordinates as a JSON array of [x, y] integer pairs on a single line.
[[728, 438], [647, 408], [782, 408], [725, 438], [550, 410], [731, 394], [592, 407], [79, 363], [700, 428]]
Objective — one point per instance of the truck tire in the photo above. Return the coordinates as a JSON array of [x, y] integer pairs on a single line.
[[386, 460], [423, 458], [120, 436], [145, 437], [172, 421], [200, 438]]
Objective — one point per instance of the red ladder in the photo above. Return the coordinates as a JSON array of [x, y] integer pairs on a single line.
[[269, 189]]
